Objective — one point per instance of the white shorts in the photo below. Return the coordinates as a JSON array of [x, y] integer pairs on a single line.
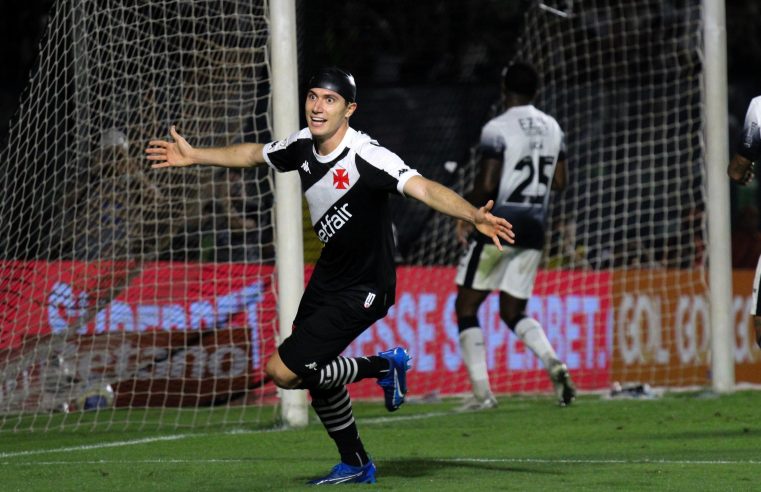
[[755, 308], [512, 270]]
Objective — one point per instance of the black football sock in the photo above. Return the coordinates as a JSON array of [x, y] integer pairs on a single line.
[[333, 407], [344, 370]]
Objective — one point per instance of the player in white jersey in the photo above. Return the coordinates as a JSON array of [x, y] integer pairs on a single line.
[[740, 170], [347, 178], [521, 157]]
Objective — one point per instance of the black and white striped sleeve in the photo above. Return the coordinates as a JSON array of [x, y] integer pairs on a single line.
[[285, 155]]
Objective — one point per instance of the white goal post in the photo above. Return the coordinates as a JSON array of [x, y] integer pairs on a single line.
[[719, 236], [285, 110]]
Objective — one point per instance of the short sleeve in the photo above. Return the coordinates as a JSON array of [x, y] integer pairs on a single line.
[[382, 169], [750, 147], [492, 143], [283, 155], [562, 152]]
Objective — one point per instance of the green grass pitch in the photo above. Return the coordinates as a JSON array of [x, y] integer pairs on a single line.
[[677, 442]]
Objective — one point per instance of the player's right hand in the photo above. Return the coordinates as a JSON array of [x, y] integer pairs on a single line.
[[740, 170], [170, 154], [493, 226], [748, 177]]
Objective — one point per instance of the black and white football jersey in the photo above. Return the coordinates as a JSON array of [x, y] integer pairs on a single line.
[[347, 192], [529, 143], [750, 147]]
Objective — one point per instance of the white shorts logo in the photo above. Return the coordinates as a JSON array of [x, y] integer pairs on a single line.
[[369, 300]]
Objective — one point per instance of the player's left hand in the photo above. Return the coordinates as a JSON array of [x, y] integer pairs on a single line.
[[493, 226], [462, 229]]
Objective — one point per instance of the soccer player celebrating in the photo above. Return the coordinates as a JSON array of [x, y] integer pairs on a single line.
[[521, 156], [740, 170], [347, 178]]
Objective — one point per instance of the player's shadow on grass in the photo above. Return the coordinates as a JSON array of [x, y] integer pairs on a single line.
[[419, 467]]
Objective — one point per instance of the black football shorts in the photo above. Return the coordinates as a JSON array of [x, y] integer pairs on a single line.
[[327, 322]]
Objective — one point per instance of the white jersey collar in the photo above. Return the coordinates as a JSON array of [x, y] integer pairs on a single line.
[[348, 137]]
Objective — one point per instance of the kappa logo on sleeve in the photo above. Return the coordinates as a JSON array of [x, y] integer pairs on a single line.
[[305, 167], [369, 300]]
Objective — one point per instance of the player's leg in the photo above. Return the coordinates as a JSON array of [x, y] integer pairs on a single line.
[[333, 374], [333, 407], [477, 275], [325, 325], [755, 310], [283, 377], [329, 331], [472, 347], [516, 287], [513, 313]]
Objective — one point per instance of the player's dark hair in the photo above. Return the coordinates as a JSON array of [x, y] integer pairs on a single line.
[[337, 80], [520, 78]]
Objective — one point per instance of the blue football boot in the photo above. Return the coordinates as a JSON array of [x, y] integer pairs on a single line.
[[343, 473], [394, 383]]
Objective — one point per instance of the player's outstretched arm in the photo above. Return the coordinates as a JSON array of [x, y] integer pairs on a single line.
[[446, 201], [180, 153]]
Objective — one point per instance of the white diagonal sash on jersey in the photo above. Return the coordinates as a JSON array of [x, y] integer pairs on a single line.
[[323, 194]]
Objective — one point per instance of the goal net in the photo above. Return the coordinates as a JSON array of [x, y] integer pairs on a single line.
[[621, 292], [123, 287]]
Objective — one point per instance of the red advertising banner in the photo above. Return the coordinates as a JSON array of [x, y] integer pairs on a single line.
[[573, 307], [165, 334], [189, 334], [662, 330], [78, 298]]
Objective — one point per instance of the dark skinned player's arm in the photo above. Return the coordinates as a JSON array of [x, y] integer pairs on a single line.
[[560, 179], [486, 181]]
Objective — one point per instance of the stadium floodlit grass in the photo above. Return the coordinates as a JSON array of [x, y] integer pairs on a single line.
[[677, 442]]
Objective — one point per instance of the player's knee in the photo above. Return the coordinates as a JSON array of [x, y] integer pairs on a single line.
[[280, 374], [467, 322], [464, 309], [512, 319]]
